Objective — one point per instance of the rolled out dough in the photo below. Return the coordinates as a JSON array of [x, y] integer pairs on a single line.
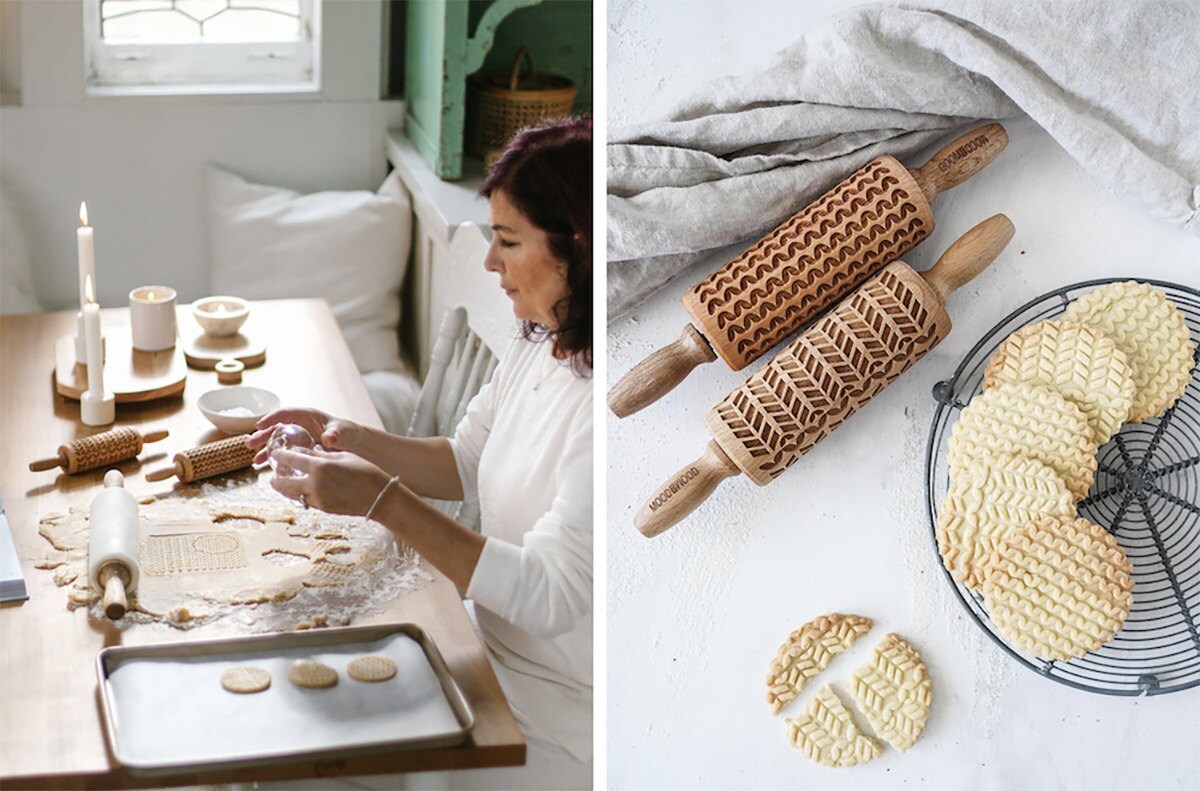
[[197, 557]]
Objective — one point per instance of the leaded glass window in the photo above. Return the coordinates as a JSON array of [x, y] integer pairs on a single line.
[[211, 43]]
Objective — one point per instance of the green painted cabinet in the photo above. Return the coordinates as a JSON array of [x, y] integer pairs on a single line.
[[447, 40]]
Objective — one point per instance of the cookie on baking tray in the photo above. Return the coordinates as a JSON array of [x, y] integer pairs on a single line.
[[894, 692], [371, 668], [1149, 329], [312, 675], [807, 652], [1059, 587], [245, 679], [827, 734], [988, 498], [1082, 365], [1026, 420]]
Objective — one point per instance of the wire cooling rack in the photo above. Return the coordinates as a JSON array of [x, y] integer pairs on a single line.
[[1146, 493]]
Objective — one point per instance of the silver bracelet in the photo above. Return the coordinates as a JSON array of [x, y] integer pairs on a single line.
[[378, 497]]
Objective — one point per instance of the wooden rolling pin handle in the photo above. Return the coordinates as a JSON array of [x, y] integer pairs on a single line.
[[686, 490], [969, 255], [960, 159], [165, 472], [658, 374], [155, 436], [114, 578], [48, 464]]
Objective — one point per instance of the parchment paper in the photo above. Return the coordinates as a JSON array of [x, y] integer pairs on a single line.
[[175, 711]]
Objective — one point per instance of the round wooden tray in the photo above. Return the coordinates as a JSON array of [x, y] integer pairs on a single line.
[[204, 351], [130, 375]]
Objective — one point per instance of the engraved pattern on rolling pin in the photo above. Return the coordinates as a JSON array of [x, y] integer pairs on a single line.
[[214, 458], [811, 261], [109, 447], [827, 373]]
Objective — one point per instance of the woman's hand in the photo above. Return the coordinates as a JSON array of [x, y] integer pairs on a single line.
[[336, 482], [332, 433]]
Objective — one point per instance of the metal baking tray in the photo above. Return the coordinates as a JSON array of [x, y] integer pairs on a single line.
[[166, 712]]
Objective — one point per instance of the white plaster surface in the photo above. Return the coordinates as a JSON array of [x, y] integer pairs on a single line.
[[696, 614], [139, 162]]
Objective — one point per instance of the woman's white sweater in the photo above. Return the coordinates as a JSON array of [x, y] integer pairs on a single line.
[[525, 445]]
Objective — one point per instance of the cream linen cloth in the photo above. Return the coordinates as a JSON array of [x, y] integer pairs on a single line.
[[1116, 83]]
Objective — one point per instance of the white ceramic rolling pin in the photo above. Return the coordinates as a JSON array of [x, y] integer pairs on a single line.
[[113, 545]]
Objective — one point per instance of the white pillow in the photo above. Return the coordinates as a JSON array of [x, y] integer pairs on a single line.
[[395, 395], [349, 247]]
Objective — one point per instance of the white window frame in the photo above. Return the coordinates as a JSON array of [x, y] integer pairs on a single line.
[[197, 68]]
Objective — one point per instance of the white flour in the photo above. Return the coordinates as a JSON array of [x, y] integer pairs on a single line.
[[383, 570]]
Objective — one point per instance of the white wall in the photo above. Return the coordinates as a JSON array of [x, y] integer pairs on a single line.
[[139, 161]]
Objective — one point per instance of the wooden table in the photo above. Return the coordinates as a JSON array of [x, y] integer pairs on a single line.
[[51, 732]]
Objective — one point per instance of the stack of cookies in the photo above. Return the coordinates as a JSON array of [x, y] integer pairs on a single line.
[[1023, 453]]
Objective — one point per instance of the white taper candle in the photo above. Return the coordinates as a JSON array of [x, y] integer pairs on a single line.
[[91, 334], [87, 255]]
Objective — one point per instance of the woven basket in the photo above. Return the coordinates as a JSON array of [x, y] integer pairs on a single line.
[[501, 103]]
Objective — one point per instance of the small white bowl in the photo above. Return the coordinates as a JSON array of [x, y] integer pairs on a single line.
[[221, 315], [247, 405]]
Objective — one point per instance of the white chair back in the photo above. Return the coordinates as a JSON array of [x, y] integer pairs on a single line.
[[477, 320], [460, 364]]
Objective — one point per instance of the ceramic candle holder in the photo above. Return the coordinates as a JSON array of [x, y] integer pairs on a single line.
[[221, 315], [81, 345], [152, 318]]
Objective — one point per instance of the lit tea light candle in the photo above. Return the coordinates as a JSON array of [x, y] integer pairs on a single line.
[[96, 407], [152, 318], [221, 315]]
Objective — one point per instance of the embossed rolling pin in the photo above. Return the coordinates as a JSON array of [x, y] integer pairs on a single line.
[[98, 450], [205, 461], [806, 265], [113, 544], [826, 374]]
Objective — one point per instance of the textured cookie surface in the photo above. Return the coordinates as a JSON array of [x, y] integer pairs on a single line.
[[1151, 332], [1080, 364], [371, 668], [1026, 420], [894, 692], [808, 651], [1059, 588], [827, 734], [312, 675], [245, 679], [989, 498]]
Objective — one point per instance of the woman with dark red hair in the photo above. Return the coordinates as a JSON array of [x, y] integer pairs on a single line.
[[525, 445]]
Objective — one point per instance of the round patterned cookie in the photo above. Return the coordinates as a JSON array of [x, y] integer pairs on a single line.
[[1059, 588], [894, 692], [312, 675], [1026, 420], [807, 652], [989, 498], [1082, 365], [371, 668], [245, 679], [827, 734], [1151, 332]]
